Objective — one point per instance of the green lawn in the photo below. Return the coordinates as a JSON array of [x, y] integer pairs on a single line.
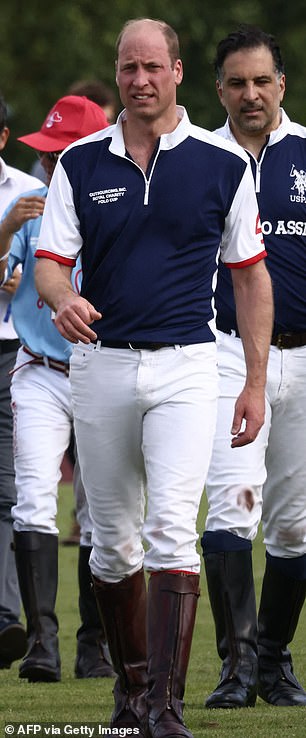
[[90, 701]]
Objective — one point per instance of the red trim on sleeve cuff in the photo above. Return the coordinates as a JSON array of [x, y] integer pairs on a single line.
[[247, 262], [40, 253]]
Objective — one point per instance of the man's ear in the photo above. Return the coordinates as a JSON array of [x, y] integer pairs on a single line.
[[178, 71], [3, 137], [220, 92]]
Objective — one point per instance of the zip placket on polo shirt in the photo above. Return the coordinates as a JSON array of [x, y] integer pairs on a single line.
[[147, 180]]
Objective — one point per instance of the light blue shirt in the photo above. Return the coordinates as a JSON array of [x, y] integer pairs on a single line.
[[13, 182], [31, 316]]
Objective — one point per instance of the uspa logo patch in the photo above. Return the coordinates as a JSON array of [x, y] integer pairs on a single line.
[[299, 184]]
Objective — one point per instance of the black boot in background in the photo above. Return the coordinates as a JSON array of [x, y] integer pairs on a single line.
[[232, 597], [93, 658], [37, 568], [282, 599]]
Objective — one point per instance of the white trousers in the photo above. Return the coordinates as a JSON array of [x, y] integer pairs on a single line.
[[266, 479], [144, 420], [42, 412]]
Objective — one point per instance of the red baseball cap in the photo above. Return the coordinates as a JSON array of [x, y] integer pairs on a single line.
[[71, 118]]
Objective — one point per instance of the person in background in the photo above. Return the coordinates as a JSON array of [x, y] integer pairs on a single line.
[[266, 480], [12, 633], [135, 203], [41, 401], [102, 95]]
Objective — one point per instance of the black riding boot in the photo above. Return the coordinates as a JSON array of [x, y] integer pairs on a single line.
[[93, 657], [282, 599], [231, 592], [172, 604], [122, 607], [37, 568]]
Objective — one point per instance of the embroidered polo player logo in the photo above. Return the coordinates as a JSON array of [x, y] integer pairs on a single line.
[[300, 180]]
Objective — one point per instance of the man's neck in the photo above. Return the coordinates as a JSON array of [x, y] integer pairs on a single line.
[[141, 136], [254, 143]]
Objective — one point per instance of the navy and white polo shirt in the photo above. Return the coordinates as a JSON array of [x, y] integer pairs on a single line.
[[280, 178], [150, 241]]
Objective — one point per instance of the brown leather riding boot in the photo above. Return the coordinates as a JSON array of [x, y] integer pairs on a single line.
[[122, 608], [172, 603]]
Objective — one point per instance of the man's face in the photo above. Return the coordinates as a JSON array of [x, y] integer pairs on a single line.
[[146, 78], [251, 91]]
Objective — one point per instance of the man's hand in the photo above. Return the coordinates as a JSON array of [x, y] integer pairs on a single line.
[[254, 306], [24, 209], [11, 285], [74, 313], [249, 407], [73, 317]]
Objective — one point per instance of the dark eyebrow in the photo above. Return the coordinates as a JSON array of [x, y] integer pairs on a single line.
[[236, 79], [260, 78]]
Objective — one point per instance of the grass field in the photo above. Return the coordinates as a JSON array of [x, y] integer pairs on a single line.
[[74, 701]]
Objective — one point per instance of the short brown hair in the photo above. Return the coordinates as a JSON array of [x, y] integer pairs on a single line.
[[95, 90], [168, 32]]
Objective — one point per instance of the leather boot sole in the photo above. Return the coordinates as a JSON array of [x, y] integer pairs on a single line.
[[95, 671], [39, 673], [129, 720], [282, 694], [13, 643], [92, 662], [168, 726], [228, 704], [231, 696]]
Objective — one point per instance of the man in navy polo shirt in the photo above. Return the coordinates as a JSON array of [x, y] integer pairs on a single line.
[[148, 204], [266, 480]]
